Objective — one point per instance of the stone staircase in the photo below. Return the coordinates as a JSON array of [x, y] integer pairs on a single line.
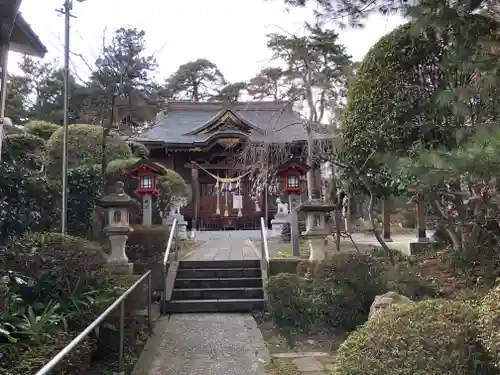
[[217, 286]]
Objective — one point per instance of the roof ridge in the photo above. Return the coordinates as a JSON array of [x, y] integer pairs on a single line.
[[184, 105]]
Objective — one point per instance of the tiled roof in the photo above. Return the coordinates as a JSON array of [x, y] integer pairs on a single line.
[[276, 121]]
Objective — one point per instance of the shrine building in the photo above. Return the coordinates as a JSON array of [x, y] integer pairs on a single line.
[[202, 140]]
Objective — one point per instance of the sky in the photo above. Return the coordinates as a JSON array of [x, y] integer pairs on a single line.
[[230, 33]]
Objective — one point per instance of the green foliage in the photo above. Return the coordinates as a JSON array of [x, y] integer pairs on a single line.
[[27, 204], [123, 66], [336, 293], [196, 80], [46, 307], [23, 148], [61, 257], [290, 304], [268, 84], [489, 323], [42, 129], [42, 88], [445, 177], [146, 244], [172, 184], [350, 282], [84, 147], [430, 337], [85, 188], [138, 149], [476, 158], [397, 100], [118, 169], [17, 98], [33, 358], [231, 92], [315, 61]]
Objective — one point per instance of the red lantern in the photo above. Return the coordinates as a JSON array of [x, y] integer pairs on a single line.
[[291, 174], [146, 179]]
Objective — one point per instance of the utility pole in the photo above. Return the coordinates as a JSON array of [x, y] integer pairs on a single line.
[[66, 11]]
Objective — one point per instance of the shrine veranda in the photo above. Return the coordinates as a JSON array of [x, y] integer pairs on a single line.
[[202, 140]]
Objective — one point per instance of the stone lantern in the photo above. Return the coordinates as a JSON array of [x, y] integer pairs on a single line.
[[118, 205], [147, 177], [290, 174]]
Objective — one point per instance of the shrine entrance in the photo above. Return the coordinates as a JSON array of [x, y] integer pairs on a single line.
[[226, 199]]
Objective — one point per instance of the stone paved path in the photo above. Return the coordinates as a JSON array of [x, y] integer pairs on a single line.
[[208, 344], [215, 344], [225, 245]]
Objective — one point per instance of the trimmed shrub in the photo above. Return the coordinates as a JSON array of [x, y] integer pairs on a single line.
[[290, 305], [42, 129], [147, 244], [344, 287], [118, 170], [432, 337], [489, 323], [25, 148], [27, 204], [85, 188], [61, 257], [84, 147], [336, 293]]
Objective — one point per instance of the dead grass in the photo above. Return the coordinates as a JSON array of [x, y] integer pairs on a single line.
[[326, 340], [281, 367]]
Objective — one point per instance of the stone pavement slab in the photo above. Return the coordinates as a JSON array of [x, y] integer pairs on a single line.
[[308, 364], [225, 245], [215, 344]]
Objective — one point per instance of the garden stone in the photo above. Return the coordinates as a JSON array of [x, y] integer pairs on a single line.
[[308, 364], [386, 300]]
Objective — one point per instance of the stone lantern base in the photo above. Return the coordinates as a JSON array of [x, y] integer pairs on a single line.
[[117, 259]]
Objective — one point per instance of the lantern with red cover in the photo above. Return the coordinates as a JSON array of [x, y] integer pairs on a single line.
[[146, 179], [290, 174]]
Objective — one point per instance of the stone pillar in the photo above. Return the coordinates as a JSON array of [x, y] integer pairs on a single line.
[[294, 225], [147, 209], [347, 217], [420, 226], [386, 220], [196, 196]]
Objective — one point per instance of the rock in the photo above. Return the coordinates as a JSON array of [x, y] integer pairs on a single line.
[[385, 300]]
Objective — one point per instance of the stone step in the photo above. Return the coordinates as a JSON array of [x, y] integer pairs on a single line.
[[205, 273], [215, 305], [217, 294], [218, 264], [207, 283]]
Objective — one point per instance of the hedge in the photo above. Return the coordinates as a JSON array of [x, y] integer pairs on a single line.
[[432, 337], [489, 323], [84, 147]]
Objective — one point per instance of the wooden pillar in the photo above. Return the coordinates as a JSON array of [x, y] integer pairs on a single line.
[[386, 220], [420, 211], [196, 196]]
